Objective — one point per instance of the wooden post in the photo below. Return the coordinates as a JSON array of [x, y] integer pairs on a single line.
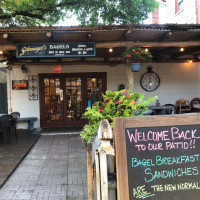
[[104, 176], [90, 172], [105, 135], [98, 186], [112, 182]]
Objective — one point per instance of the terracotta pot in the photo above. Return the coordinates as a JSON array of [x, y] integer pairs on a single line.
[[135, 67]]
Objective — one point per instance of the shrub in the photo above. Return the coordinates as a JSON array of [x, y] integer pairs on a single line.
[[124, 103]]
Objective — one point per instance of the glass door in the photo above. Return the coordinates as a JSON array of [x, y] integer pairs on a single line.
[[62, 101], [53, 97], [65, 97], [73, 100], [94, 91]]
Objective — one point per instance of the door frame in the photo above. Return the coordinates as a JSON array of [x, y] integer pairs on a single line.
[[83, 77]]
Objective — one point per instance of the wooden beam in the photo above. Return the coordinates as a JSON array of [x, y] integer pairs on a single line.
[[125, 35], [127, 43], [147, 44], [165, 36], [7, 47], [111, 63]]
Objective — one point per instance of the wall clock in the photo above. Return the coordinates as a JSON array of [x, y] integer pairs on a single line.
[[150, 81]]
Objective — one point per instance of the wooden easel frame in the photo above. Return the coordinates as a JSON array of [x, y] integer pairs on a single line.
[[120, 143]]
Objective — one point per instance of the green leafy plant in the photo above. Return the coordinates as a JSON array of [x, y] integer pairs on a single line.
[[92, 12], [136, 55], [123, 103]]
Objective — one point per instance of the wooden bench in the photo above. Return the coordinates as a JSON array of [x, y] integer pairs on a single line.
[[30, 121]]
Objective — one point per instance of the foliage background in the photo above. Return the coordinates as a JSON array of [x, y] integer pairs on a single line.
[[88, 12]]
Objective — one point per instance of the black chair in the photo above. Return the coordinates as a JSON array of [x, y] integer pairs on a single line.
[[5, 127], [171, 110], [16, 116]]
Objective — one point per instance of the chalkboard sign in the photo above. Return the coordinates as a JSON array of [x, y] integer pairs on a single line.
[[70, 49], [159, 162]]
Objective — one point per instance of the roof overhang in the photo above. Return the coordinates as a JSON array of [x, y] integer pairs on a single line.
[[163, 41]]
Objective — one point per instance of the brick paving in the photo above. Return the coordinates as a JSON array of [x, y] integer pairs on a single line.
[[54, 169], [11, 154]]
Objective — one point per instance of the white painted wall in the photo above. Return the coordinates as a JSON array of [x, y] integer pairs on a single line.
[[167, 13], [185, 16], [177, 81]]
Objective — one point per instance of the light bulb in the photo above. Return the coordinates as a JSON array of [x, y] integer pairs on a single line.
[[110, 50], [48, 34], [190, 61]]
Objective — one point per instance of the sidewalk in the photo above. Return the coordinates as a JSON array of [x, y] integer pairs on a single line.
[[11, 154], [54, 169]]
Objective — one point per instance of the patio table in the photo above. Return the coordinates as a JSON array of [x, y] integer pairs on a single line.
[[159, 109], [5, 126]]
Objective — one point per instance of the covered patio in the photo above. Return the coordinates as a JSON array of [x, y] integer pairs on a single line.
[[174, 47]]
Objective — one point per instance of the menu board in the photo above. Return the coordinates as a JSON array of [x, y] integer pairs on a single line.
[[163, 162], [69, 49], [158, 157]]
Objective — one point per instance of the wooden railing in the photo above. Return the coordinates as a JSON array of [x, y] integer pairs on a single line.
[[101, 168]]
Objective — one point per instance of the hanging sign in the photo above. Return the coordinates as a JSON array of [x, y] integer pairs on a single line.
[[20, 85], [70, 49], [57, 69], [158, 157]]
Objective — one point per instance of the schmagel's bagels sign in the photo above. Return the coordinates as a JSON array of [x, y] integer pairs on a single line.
[[70, 49]]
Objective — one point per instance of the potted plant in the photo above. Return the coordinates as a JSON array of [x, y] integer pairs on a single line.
[[135, 56], [123, 103]]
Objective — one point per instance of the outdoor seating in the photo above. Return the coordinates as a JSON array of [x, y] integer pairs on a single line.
[[16, 116], [182, 106], [30, 121], [162, 109], [170, 110], [5, 127], [195, 105]]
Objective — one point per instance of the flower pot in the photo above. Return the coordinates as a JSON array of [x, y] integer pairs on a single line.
[[135, 67]]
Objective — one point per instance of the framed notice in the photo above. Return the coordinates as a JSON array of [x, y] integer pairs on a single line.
[[158, 157], [69, 49]]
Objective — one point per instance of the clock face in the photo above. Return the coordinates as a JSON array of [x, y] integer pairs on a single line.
[[150, 81]]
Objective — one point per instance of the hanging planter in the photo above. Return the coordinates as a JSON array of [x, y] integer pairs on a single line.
[[135, 56], [135, 67]]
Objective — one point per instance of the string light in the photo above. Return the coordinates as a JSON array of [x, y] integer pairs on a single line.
[[48, 34], [5, 35], [110, 50], [181, 49], [1, 52], [190, 60], [146, 50]]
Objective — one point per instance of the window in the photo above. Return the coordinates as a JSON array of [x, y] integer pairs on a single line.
[[180, 5]]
